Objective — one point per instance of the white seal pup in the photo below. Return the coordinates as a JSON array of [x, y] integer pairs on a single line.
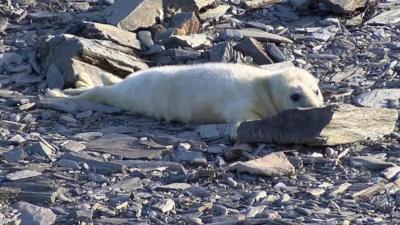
[[207, 93]]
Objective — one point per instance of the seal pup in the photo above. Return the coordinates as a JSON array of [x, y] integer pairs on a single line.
[[206, 93]]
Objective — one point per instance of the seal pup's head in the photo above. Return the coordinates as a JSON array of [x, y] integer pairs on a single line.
[[295, 88]]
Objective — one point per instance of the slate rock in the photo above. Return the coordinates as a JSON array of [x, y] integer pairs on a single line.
[[378, 98], [112, 33], [14, 155], [34, 215], [253, 48], [274, 164], [131, 15], [344, 6], [386, 18], [22, 174]]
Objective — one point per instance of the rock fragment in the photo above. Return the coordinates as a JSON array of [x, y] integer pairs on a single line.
[[165, 206], [112, 33], [274, 164], [22, 174], [344, 6], [386, 18], [251, 47], [378, 98], [34, 215], [125, 14], [369, 162]]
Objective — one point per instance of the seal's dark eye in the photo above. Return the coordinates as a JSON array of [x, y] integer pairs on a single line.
[[317, 92], [296, 97]]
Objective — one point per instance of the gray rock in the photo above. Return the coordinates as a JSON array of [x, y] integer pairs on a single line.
[[127, 185], [14, 155], [187, 5], [165, 206], [16, 139], [369, 162], [391, 172], [55, 79], [192, 157], [378, 98], [131, 15], [68, 163], [41, 149], [73, 146], [301, 4], [22, 174], [102, 167], [263, 36], [251, 47], [145, 38], [275, 53], [112, 33], [98, 178], [120, 60], [174, 187], [221, 52], [215, 13], [34, 215], [388, 17], [344, 6], [3, 24], [230, 35]]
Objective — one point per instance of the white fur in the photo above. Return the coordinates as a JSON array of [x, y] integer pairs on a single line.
[[207, 93]]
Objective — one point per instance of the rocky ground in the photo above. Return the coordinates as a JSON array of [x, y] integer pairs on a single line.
[[66, 162]]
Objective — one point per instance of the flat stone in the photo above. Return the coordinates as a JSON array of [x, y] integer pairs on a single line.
[[41, 149], [127, 185], [221, 52], [214, 13], [174, 187], [73, 146], [68, 163], [34, 215], [391, 172], [12, 125], [344, 6], [251, 47], [336, 191], [101, 167], [274, 164], [22, 174], [165, 206], [14, 155], [131, 15], [16, 139], [391, 16], [193, 40], [369, 162], [125, 146], [377, 98], [255, 4], [263, 36], [120, 59], [275, 53], [187, 5], [112, 33]]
